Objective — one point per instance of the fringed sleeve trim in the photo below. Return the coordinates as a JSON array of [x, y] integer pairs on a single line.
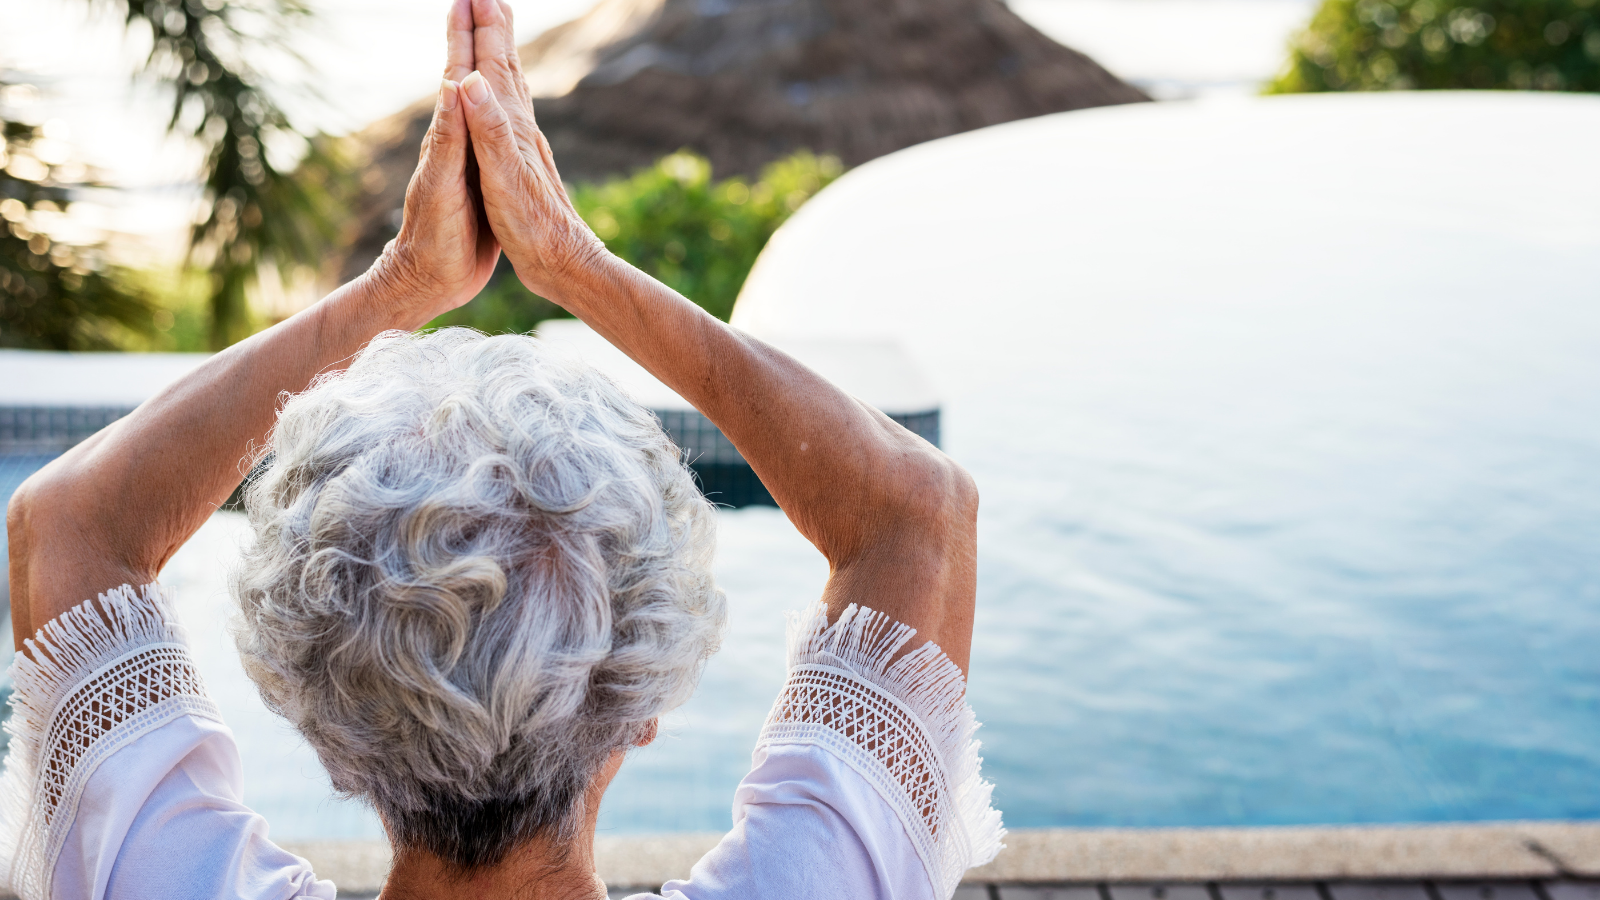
[[93, 679], [903, 723]]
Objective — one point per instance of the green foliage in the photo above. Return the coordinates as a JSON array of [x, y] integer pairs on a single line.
[[697, 236], [54, 294], [1366, 45], [181, 320], [256, 214]]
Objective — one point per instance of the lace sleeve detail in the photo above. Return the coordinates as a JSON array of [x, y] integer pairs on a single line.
[[94, 678], [904, 725]]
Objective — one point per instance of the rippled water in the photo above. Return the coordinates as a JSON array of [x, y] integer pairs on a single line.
[[1255, 548], [1370, 594], [1285, 417], [1353, 594]]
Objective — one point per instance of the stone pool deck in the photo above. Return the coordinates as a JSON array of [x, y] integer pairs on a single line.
[[1481, 861]]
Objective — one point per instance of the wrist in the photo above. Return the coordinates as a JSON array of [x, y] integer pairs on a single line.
[[393, 293], [588, 275]]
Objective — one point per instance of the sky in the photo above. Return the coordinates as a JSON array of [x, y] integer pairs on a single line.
[[376, 56]]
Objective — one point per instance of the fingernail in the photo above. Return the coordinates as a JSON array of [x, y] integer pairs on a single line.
[[477, 89], [447, 95]]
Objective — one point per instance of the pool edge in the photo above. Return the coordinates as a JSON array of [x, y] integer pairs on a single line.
[[1444, 851]]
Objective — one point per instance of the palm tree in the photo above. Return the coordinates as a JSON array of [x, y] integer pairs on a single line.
[[53, 295], [257, 216]]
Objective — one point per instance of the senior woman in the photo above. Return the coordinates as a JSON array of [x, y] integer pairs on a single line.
[[479, 575]]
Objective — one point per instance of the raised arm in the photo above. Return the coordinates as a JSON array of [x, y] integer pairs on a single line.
[[894, 517], [116, 507]]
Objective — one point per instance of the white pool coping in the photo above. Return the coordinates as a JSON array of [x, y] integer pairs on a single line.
[[877, 371], [1497, 850]]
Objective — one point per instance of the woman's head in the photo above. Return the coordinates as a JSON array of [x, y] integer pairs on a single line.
[[479, 570]]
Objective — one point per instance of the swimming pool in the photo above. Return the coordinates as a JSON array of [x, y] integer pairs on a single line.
[[1252, 551], [1190, 637]]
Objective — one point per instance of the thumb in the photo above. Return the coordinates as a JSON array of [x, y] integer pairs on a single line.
[[493, 140], [446, 153]]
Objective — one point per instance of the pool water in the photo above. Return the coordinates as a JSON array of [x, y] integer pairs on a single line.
[[1240, 609], [1293, 522], [1286, 417]]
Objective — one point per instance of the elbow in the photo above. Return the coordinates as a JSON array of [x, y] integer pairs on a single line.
[[935, 490], [967, 486], [956, 489], [25, 514], [960, 491], [33, 519], [40, 505], [19, 518], [21, 524]]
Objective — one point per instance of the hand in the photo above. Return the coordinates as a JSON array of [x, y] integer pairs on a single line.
[[528, 209], [445, 252]]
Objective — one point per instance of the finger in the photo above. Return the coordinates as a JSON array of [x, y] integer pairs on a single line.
[[520, 105], [448, 149], [495, 55], [458, 41], [547, 158], [494, 142], [444, 149]]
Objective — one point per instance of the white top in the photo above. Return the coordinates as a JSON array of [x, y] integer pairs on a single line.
[[123, 781]]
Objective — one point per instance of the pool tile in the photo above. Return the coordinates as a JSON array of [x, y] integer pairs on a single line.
[[1378, 890], [1244, 890], [1572, 890], [1049, 892], [1160, 891], [1486, 890]]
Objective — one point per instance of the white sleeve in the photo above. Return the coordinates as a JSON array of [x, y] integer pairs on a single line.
[[122, 781], [866, 779]]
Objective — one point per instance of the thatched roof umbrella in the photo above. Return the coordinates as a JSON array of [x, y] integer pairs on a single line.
[[749, 81]]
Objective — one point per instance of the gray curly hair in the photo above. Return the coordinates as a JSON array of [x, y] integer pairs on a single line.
[[479, 570]]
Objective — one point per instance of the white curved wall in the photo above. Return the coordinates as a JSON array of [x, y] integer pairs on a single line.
[[1116, 231]]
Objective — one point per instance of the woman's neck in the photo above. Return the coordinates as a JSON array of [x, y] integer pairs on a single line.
[[542, 869], [537, 870]]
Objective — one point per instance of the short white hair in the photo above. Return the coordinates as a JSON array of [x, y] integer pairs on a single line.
[[479, 569]]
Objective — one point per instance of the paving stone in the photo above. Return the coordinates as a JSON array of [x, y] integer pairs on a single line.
[[1053, 892], [1245, 890], [1378, 890], [1160, 891], [972, 892], [1572, 890]]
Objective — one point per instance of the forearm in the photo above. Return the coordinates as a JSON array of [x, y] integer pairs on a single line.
[[894, 517], [823, 454], [115, 508]]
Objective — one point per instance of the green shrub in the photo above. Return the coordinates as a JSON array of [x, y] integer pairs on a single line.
[[1374, 45], [697, 236]]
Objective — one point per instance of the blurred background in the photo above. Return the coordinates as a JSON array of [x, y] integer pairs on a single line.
[[178, 175], [1321, 551]]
